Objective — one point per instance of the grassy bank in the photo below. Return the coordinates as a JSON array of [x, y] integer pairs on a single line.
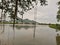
[[55, 26]]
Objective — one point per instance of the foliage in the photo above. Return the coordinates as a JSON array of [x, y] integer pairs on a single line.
[[55, 26], [9, 6], [13, 7], [58, 13], [59, 3]]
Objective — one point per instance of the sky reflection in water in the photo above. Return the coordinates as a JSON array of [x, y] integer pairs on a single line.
[[41, 35]]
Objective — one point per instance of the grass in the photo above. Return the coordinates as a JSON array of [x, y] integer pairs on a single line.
[[55, 26]]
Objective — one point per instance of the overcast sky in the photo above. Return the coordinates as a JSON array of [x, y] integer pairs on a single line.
[[45, 14]]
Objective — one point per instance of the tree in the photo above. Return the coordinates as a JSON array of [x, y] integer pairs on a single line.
[[11, 7], [58, 13]]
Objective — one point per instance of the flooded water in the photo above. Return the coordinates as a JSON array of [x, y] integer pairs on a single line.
[[25, 35]]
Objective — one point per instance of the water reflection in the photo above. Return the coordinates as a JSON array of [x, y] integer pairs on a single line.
[[35, 35], [2, 41], [22, 26], [8, 40], [34, 31], [58, 35], [13, 37], [2, 28], [58, 39], [26, 28], [11, 41]]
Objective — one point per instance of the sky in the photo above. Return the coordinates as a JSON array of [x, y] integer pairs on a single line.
[[45, 14]]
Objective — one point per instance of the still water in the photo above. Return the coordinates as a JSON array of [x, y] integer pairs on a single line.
[[25, 35]]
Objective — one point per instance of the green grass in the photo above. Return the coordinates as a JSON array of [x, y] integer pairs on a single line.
[[55, 26]]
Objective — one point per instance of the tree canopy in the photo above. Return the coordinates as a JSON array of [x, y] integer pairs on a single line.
[[13, 7], [58, 13], [9, 6]]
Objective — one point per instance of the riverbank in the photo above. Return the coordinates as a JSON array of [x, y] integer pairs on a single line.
[[55, 26]]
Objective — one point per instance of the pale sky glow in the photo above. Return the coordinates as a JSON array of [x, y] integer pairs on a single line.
[[45, 14]]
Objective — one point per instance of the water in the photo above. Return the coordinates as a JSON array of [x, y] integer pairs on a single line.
[[24, 35]]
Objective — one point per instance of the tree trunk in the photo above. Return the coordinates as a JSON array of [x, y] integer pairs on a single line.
[[2, 12], [15, 15]]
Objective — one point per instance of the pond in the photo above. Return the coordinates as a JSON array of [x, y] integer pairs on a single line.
[[28, 35]]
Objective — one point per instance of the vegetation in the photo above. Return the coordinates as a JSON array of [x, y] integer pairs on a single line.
[[11, 7], [58, 13], [58, 40], [26, 21], [55, 26]]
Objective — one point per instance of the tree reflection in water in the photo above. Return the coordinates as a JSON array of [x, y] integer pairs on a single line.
[[2, 41], [13, 36], [2, 36], [20, 27], [58, 36], [25, 27], [9, 42], [58, 39], [34, 31]]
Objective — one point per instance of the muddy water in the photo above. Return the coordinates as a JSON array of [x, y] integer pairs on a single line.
[[24, 35]]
